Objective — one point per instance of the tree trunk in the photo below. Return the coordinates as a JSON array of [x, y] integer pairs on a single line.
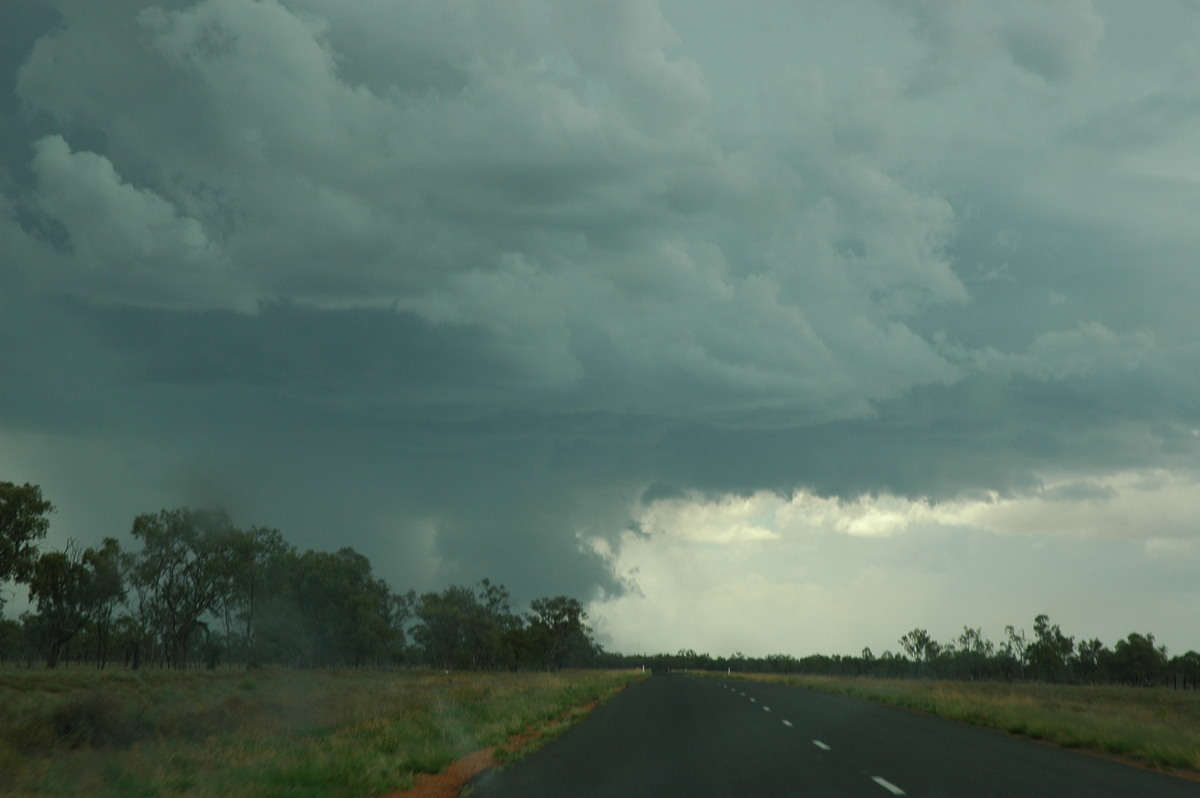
[[179, 648], [53, 653]]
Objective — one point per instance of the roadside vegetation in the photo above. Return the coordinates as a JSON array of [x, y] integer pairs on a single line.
[[194, 589], [270, 732], [201, 658], [1153, 726]]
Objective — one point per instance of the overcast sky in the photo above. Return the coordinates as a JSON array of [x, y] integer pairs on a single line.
[[784, 326]]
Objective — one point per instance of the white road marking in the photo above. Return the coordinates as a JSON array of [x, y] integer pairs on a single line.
[[887, 785], [787, 723], [766, 708], [821, 745], [753, 700]]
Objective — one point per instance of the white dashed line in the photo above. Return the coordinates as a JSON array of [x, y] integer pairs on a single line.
[[821, 745], [766, 708], [753, 700], [787, 723], [887, 785]]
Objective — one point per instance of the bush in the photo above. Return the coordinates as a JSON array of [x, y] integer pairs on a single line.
[[93, 719]]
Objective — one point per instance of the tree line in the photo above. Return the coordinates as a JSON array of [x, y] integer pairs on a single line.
[[196, 589], [199, 590], [1046, 655]]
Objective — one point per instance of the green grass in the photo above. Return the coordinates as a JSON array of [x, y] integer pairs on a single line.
[[272, 733], [1153, 726]]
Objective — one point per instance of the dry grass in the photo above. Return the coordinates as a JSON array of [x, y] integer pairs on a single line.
[[1154, 726], [295, 733]]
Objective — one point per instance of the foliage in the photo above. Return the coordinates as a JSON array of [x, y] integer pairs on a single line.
[[1051, 657], [345, 607], [23, 522], [198, 585], [184, 570], [281, 733], [73, 588], [557, 633], [461, 628]]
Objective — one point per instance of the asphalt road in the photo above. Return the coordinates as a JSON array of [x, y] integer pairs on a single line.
[[677, 735]]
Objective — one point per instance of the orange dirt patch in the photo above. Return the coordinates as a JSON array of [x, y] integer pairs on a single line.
[[450, 782]]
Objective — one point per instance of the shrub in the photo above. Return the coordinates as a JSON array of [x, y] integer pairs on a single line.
[[93, 719]]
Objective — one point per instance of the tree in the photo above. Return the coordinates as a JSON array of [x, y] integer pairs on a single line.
[[10, 640], [71, 589], [494, 628], [446, 626], [1138, 661], [459, 628], [974, 653], [1186, 668], [1091, 660], [253, 554], [400, 613], [1051, 650], [23, 522], [182, 574], [1014, 649], [347, 610], [559, 634], [920, 647], [108, 590]]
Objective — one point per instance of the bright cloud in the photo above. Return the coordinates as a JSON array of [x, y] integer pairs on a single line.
[[815, 575]]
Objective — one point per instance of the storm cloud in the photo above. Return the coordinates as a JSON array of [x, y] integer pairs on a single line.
[[485, 289]]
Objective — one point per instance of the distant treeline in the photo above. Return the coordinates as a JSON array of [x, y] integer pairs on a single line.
[[199, 590], [1047, 655]]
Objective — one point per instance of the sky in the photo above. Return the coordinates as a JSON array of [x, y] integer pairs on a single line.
[[783, 327]]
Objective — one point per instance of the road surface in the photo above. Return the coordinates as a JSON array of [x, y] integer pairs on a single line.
[[677, 735]]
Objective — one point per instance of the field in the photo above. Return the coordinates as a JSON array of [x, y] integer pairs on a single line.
[[266, 733], [1152, 726]]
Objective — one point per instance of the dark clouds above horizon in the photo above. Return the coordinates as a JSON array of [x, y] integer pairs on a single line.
[[483, 289]]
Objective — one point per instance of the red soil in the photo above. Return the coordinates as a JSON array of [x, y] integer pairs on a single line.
[[450, 782]]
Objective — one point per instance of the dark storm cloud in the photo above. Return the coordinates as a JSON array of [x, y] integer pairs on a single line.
[[471, 286], [22, 23], [939, 443], [312, 352]]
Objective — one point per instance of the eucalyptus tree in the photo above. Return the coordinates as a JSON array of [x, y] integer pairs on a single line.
[[72, 588], [347, 611], [974, 653], [1051, 651], [254, 558], [23, 522], [920, 647], [1091, 662], [1014, 651], [1138, 661], [109, 590], [445, 629], [462, 628], [559, 633], [183, 573]]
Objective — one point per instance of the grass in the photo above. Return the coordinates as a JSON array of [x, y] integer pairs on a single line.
[[272, 733], [1153, 726]]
